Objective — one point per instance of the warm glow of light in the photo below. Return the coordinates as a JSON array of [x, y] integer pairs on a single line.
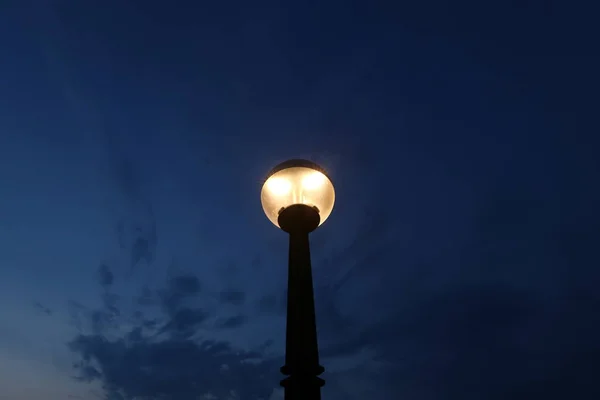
[[301, 183], [279, 186], [313, 181]]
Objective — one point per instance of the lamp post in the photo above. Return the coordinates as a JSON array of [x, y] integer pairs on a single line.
[[297, 197]]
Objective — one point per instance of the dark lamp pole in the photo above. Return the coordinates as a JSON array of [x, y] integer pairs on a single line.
[[298, 197]]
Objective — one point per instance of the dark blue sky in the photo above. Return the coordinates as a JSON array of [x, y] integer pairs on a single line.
[[460, 261]]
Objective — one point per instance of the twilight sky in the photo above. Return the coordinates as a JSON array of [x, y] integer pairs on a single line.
[[460, 261]]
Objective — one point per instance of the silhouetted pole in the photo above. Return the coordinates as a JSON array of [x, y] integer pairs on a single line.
[[301, 348], [297, 197]]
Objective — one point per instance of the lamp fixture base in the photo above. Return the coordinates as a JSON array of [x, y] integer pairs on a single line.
[[299, 218]]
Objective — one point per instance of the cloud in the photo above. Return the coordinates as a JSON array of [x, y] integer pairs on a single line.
[[509, 313], [232, 322], [42, 308], [234, 297], [184, 322], [473, 342], [270, 303], [179, 289], [138, 239], [277, 394], [78, 314], [183, 317], [105, 275], [147, 297], [172, 369], [165, 357], [140, 250]]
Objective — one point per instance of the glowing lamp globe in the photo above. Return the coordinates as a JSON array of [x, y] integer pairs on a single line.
[[297, 182]]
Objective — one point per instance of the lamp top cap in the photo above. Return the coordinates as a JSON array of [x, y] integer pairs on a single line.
[[297, 162]]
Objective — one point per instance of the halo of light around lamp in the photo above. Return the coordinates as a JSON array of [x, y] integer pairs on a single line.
[[297, 182]]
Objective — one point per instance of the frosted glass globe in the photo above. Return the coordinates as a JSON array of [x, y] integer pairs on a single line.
[[297, 182]]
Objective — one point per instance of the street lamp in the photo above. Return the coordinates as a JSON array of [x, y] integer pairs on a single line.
[[297, 197]]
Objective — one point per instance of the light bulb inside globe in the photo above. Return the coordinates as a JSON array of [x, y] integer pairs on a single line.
[[279, 186], [313, 180]]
